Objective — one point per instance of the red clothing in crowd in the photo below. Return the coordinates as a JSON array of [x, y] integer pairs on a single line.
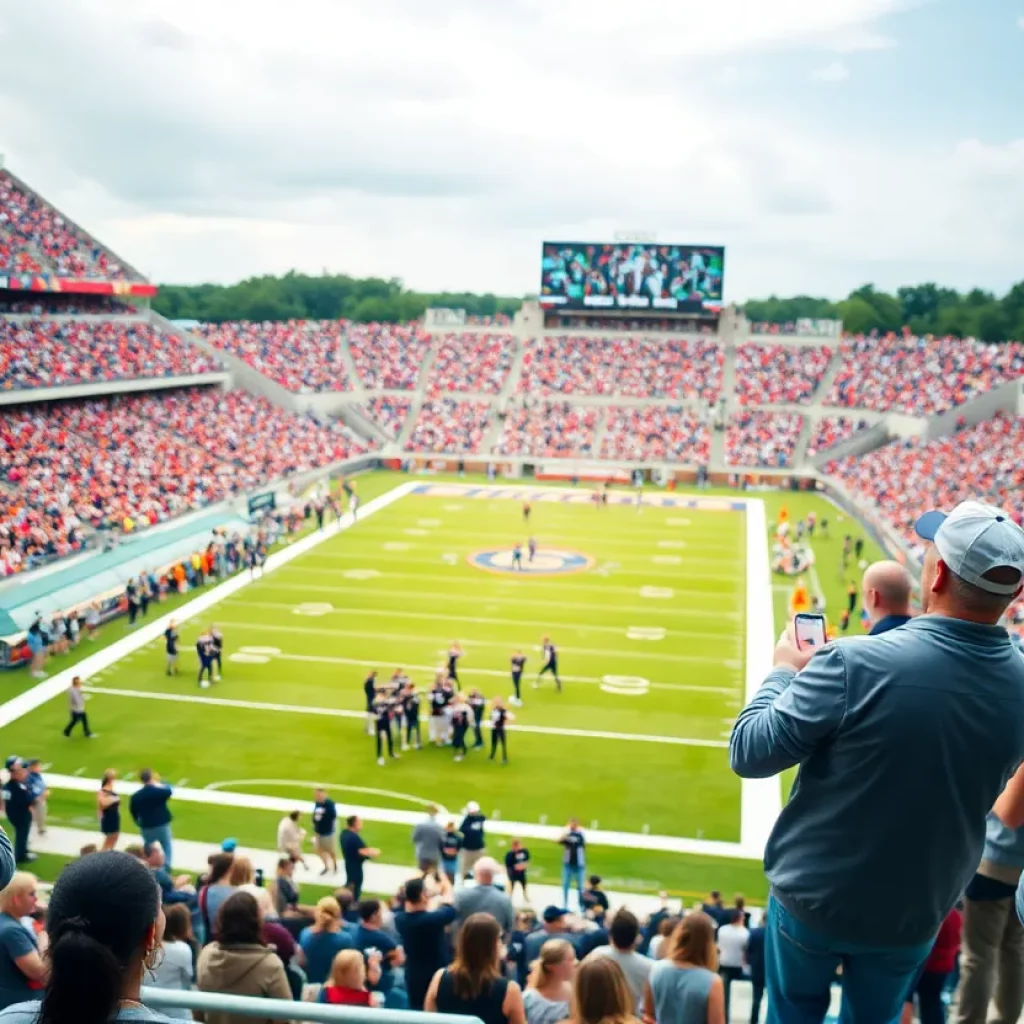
[[942, 958]]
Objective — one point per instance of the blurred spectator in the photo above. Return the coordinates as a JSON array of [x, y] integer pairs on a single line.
[[447, 425], [774, 374], [388, 413], [350, 973], [289, 838], [238, 962], [427, 837], [885, 596], [471, 362], [829, 431], [683, 986], [148, 806], [217, 889], [549, 991], [921, 376], [18, 800], [473, 986], [549, 430], [388, 356], [758, 438], [755, 967], [370, 935], [422, 931], [555, 925], [175, 969], [940, 965], [655, 433], [484, 897], [732, 948], [22, 970], [879, 726], [624, 933], [323, 940], [173, 890], [602, 996]]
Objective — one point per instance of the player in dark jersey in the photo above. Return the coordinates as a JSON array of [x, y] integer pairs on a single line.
[[549, 663], [411, 711], [171, 640], [460, 726], [477, 703], [254, 562], [217, 638], [518, 663], [454, 653], [204, 648], [384, 710], [531, 548], [526, 511], [515, 868], [500, 718], [517, 556], [437, 729], [320, 509], [370, 690]]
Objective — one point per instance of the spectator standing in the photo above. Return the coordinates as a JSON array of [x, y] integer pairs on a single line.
[[238, 962], [150, 812], [451, 843], [325, 817], [885, 596], [108, 809], [176, 968], [427, 837], [732, 947], [216, 890], [684, 986], [516, 860], [624, 933], [323, 940], [355, 853], [290, 836], [555, 926], [104, 926], [485, 898], [574, 861], [927, 716], [37, 788], [76, 705], [549, 991], [474, 839], [18, 807], [755, 966], [22, 970], [370, 936], [473, 986], [423, 936], [601, 995]]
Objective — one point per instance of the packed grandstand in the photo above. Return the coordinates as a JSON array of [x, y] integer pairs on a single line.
[[89, 446]]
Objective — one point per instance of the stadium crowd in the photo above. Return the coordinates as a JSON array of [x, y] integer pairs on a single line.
[[449, 425], [655, 432], [387, 412], [632, 367], [832, 430], [758, 438], [773, 374], [920, 376], [471, 362], [300, 355], [388, 356], [29, 224], [549, 429], [51, 353]]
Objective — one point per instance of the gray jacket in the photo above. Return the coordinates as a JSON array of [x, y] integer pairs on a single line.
[[426, 838]]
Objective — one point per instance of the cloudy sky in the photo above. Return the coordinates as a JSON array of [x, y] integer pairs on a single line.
[[825, 142]]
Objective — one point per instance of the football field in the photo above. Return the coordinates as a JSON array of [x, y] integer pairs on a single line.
[[662, 616]]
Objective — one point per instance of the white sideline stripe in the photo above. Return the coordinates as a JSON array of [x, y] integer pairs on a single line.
[[540, 624], [393, 816], [760, 799], [274, 627], [299, 709], [431, 594], [18, 707]]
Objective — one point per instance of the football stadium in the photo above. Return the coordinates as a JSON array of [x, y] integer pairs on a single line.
[[531, 565]]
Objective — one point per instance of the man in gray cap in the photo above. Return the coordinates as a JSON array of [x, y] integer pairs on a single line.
[[904, 741]]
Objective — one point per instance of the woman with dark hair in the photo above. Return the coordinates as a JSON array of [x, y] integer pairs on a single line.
[[237, 962], [473, 986], [105, 927], [108, 809], [684, 987], [601, 995], [176, 968], [217, 889]]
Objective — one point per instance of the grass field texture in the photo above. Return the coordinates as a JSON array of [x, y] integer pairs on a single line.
[[395, 591]]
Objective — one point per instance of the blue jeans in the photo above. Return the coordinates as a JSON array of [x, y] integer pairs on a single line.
[[569, 875], [801, 963], [159, 834]]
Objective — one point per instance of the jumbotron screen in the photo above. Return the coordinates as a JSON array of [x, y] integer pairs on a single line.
[[633, 276]]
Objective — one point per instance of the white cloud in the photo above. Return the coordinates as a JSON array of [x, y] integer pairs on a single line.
[[837, 71]]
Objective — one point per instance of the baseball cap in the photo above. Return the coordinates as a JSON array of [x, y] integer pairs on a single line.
[[553, 914], [473, 807], [229, 845], [973, 540], [14, 762]]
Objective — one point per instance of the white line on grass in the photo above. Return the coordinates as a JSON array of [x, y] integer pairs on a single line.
[[299, 709], [540, 624]]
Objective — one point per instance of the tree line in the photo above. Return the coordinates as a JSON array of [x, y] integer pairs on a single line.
[[925, 308]]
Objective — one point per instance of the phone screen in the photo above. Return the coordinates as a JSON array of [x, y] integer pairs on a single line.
[[809, 630]]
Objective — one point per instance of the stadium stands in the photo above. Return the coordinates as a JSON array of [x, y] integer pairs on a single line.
[[449, 425], [655, 432], [388, 356], [34, 236], [832, 430], [472, 362], [632, 367], [758, 438], [549, 429], [388, 413], [773, 374], [920, 376], [300, 355]]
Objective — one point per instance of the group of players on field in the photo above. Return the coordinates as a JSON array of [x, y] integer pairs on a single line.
[[393, 708]]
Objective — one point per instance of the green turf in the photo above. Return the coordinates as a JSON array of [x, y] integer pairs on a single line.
[[423, 598]]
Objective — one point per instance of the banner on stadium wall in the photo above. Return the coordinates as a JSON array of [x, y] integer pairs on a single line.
[[262, 503], [436, 316], [75, 286], [819, 328]]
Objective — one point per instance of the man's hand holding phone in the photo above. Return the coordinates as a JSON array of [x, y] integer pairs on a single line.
[[801, 638]]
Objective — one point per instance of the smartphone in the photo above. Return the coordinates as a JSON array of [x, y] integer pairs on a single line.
[[809, 631]]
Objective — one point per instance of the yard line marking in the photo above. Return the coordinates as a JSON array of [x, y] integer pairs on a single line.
[[317, 609], [78, 771], [697, 659], [299, 709]]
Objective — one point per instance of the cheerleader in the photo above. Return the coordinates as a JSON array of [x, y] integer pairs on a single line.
[[460, 717], [500, 717]]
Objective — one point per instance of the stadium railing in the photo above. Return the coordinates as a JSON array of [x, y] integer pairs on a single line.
[[283, 1009]]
